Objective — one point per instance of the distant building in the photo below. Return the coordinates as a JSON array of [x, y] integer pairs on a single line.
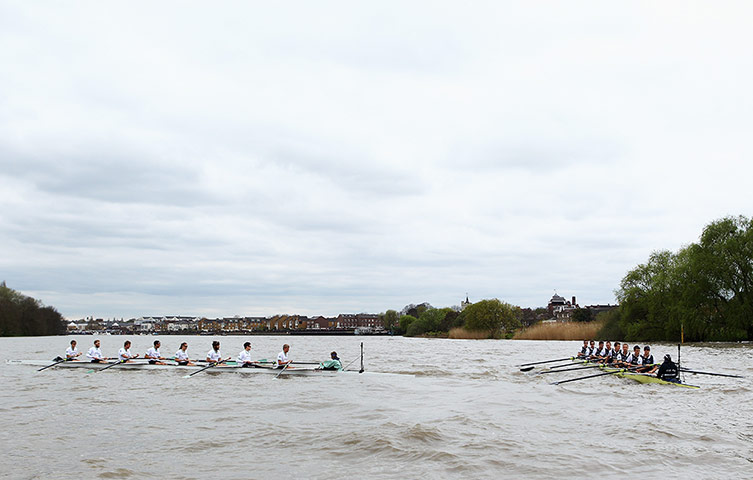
[[464, 303]]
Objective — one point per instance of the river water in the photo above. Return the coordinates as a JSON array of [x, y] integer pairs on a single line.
[[425, 408]]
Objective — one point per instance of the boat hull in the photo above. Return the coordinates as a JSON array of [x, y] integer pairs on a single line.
[[638, 377], [226, 368]]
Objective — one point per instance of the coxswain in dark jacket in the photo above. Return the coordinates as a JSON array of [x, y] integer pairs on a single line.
[[668, 370]]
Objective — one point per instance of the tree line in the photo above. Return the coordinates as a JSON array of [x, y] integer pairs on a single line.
[[704, 291], [23, 316], [491, 318]]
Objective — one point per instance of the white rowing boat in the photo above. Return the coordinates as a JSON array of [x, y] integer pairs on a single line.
[[292, 370]]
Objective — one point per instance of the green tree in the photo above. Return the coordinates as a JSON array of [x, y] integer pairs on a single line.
[[491, 316], [390, 320], [405, 322], [581, 315]]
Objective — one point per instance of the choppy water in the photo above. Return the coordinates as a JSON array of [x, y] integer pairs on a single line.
[[426, 408]]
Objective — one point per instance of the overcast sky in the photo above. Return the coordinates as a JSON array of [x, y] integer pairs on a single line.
[[256, 158]]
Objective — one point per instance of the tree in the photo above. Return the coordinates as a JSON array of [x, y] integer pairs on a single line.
[[390, 320], [22, 315], [491, 316], [581, 315], [405, 322]]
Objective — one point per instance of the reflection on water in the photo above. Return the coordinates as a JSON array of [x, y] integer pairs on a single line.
[[425, 408]]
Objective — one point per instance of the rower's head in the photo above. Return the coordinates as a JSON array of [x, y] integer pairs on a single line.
[[183, 346], [247, 345], [637, 350], [667, 358], [646, 350], [601, 343], [216, 345], [285, 348], [73, 343], [157, 344], [127, 343], [592, 343], [333, 355], [585, 343], [96, 343], [625, 347], [616, 345], [609, 345]]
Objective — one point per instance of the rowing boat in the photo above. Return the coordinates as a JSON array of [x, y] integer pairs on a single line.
[[226, 367], [638, 377]]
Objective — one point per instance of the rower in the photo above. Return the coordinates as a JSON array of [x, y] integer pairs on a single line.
[[214, 355], [635, 359], [591, 348], [72, 352], [124, 354], [648, 362], [583, 349], [282, 357], [95, 354], [596, 354], [181, 357], [333, 363], [615, 355], [244, 358], [668, 370], [606, 357], [153, 354], [624, 354]]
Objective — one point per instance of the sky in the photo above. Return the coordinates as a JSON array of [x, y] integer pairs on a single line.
[[257, 158]]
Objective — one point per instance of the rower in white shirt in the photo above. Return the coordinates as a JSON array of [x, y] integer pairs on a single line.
[[124, 354], [95, 354], [214, 355], [153, 354], [282, 357], [635, 359], [244, 358], [181, 356], [72, 352]]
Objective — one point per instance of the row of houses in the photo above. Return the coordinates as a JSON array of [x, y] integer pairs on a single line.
[[237, 324]]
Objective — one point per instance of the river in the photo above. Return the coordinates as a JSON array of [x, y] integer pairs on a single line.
[[424, 408]]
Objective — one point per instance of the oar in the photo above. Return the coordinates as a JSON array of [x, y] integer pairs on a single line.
[[207, 367], [589, 376], [52, 365], [112, 365], [704, 373], [283, 369], [569, 369], [545, 361]]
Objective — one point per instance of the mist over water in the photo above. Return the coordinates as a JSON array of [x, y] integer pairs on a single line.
[[425, 408]]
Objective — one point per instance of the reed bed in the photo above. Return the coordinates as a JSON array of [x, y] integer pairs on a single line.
[[560, 331], [462, 333]]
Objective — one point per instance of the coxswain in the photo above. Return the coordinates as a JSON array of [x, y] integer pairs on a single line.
[[332, 364], [583, 349], [668, 370], [635, 360], [648, 362], [72, 352], [214, 355], [244, 357], [282, 357], [95, 354], [181, 356], [124, 354], [153, 354]]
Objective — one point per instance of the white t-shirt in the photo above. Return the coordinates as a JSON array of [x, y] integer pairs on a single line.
[[153, 353], [635, 360], [282, 358], [180, 355], [244, 356], [95, 354], [214, 356], [71, 352], [124, 354]]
